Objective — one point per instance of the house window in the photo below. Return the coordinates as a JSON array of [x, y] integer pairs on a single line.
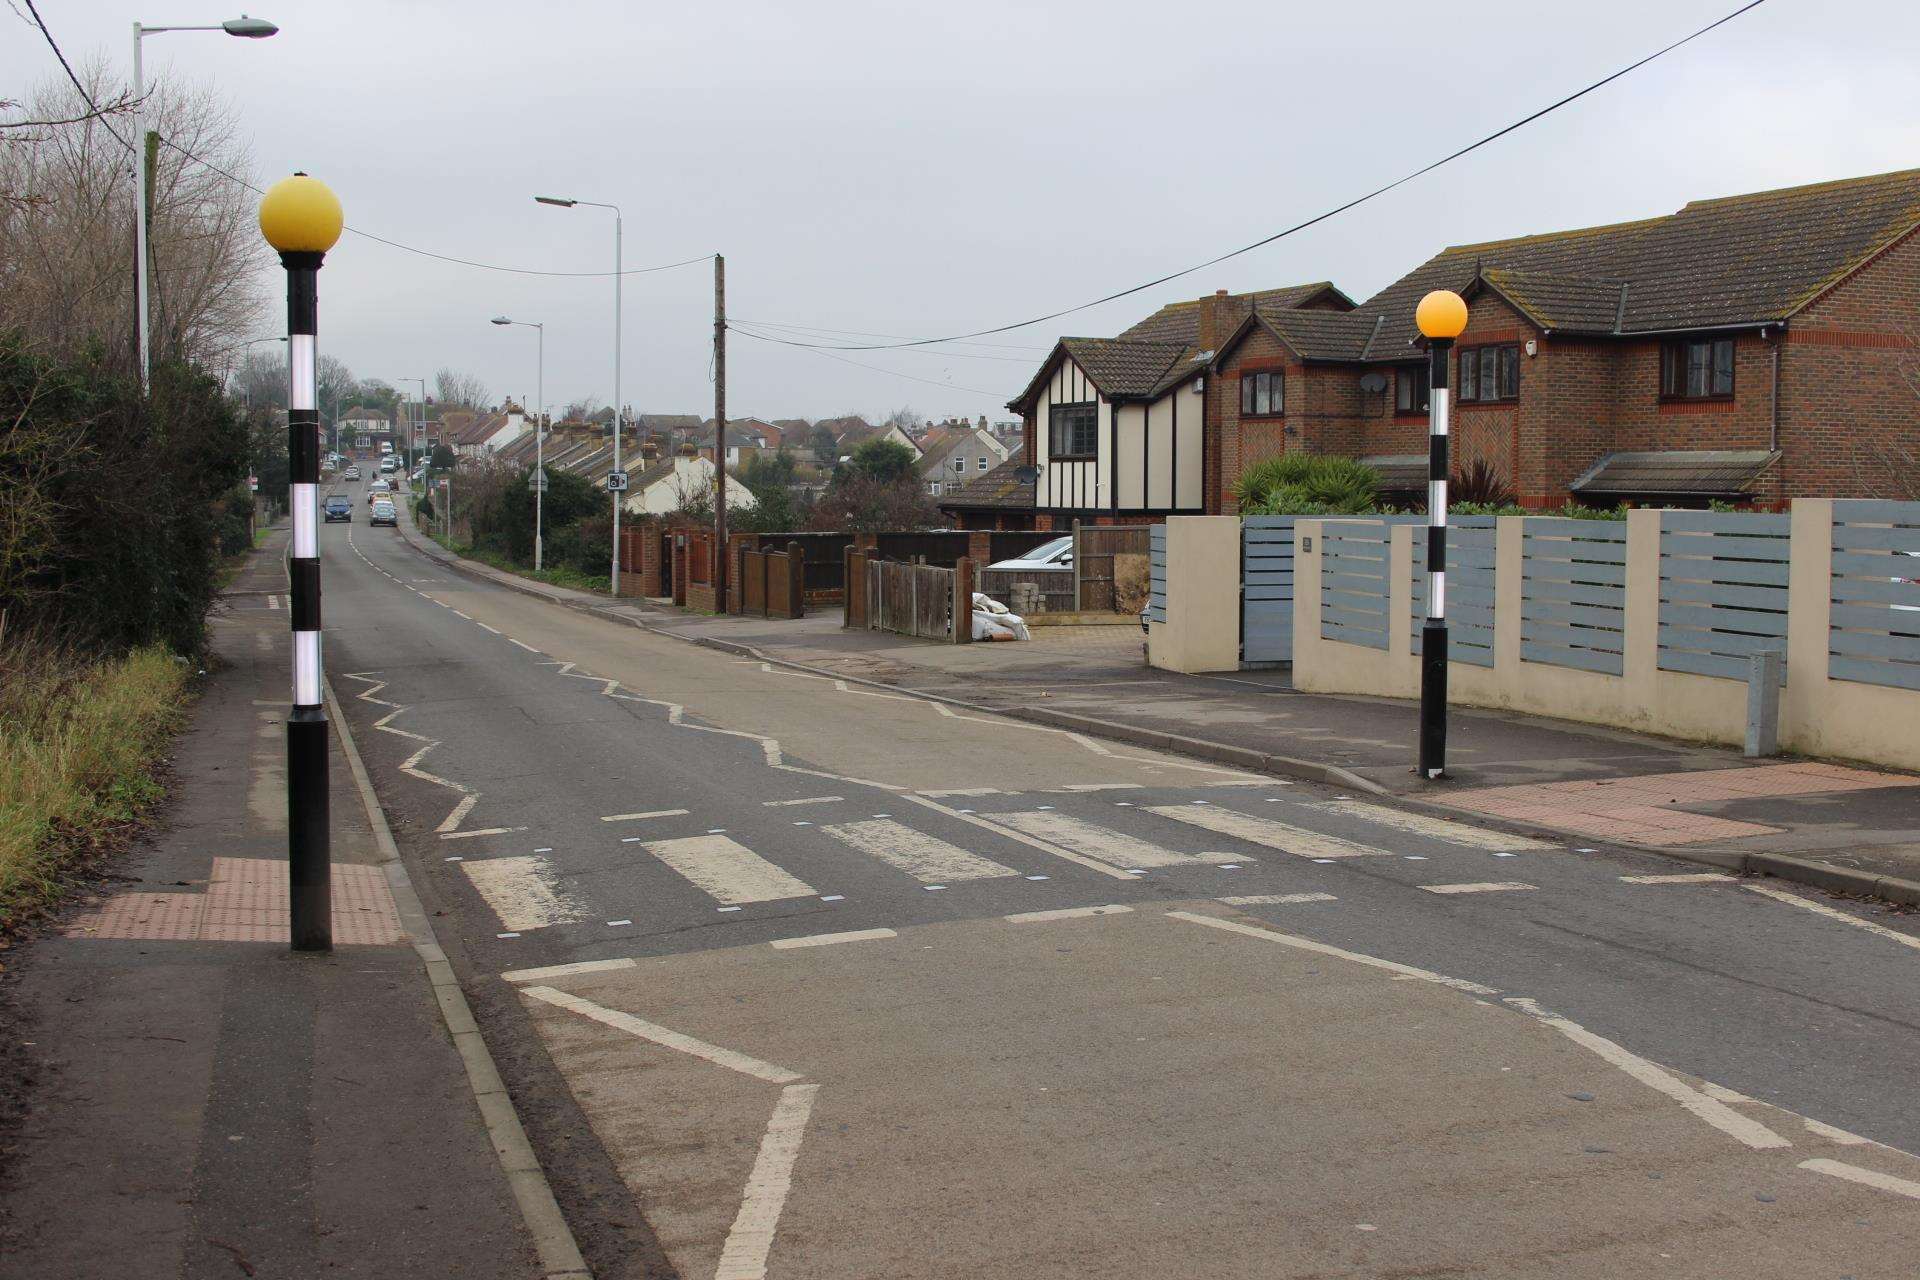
[[981, 463], [1489, 374], [1073, 430], [933, 487], [1263, 395], [1411, 384], [959, 464], [1699, 369]]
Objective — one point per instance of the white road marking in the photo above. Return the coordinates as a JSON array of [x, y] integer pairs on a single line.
[[484, 627], [1282, 836], [779, 804], [522, 892], [1794, 899], [968, 815], [1102, 786], [529, 648], [458, 614], [1116, 848], [963, 791], [482, 831], [410, 766], [1839, 1136], [924, 857], [1865, 1177], [1067, 913], [728, 870], [1321, 948], [1276, 899], [615, 924], [651, 813], [665, 1037], [562, 970], [744, 1257], [1684, 877], [829, 939], [1483, 886]]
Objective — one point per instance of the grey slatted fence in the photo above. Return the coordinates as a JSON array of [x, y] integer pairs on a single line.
[[1157, 574], [1266, 589], [1574, 593], [1723, 590], [1354, 582], [1873, 634], [1470, 564]]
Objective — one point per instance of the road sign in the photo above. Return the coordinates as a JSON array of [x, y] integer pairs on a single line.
[[616, 482], [537, 482]]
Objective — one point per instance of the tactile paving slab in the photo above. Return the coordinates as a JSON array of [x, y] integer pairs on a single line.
[[246, 901]]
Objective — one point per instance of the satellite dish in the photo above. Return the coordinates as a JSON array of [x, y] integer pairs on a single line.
[[1026, 475], [1373, 382]]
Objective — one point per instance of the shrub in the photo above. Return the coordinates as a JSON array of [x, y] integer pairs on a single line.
[[1308, 484], [1479, 483]]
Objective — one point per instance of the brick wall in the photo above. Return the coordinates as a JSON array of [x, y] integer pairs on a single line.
[[1233, 445]]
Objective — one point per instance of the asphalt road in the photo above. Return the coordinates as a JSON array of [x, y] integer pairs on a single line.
[[801, 979]]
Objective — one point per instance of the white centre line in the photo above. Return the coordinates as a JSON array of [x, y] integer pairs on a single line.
[[1481, 886], [651, 813], [1685, 877], [529, 648], [829, 939], [1794, 899], [1067, 913], [1865, 1177], [484, 627]]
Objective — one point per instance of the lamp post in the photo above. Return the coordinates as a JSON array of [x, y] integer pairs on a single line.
[[563, 202], [1441, 316], [539, 445], [247, 29], [301, 219], [417, 428]]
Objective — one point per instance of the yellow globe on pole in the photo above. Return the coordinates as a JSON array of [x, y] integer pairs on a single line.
[[301, 215], [1441, 314]]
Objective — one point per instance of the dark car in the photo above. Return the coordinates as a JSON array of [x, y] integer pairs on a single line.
[[339, 509]]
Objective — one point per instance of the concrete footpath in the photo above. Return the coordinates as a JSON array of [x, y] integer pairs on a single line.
[[202, 1102], [1837, 826]]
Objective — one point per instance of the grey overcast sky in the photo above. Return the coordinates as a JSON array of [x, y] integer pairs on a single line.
[[922, 169]]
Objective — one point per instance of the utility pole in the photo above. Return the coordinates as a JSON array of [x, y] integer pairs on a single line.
[[720, 429]]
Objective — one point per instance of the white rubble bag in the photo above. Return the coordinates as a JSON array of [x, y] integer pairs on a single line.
[[994, 621]]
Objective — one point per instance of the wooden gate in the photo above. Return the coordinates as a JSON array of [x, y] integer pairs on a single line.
[[1094, 550]]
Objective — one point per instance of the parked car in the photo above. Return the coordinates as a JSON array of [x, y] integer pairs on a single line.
[[384, 512], [1057, 554], [338, 508]]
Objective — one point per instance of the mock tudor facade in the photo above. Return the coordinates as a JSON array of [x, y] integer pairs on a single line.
[[1750, 349]]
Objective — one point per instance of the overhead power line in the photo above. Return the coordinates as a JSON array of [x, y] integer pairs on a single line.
[[1298, 226], [365, 235], [733, 326]]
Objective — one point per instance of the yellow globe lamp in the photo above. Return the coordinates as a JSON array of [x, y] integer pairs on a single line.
[[1441, 314], [301, 215]]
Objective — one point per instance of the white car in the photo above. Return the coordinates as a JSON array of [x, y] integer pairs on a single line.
[[1909, 608], [1057, 554]]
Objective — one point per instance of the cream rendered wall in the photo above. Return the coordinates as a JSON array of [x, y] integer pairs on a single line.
[[1202, 630]]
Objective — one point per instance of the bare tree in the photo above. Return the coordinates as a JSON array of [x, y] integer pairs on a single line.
[[458, 390], [904, 418], [260, 380], [66, 228]]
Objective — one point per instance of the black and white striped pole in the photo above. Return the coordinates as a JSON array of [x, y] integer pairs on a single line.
[[301, 219], [1441, 315]]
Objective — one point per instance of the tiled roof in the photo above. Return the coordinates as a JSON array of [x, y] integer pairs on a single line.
[[1738, 260], [481, 429], [1400, 472], [1676, 472], [1322, 335], [1123, 368], [998, 488], [1180, 321]]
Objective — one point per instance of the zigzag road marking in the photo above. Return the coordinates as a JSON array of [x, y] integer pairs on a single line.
[[411, 765]]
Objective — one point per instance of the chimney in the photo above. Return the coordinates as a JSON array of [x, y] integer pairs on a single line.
[[689, 450], [1212, 320], [649, 451]]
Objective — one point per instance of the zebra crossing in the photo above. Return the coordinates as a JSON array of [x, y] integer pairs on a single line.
[[1197, 847]]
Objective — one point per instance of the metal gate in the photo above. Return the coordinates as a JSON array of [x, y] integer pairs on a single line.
[[1266, 589]]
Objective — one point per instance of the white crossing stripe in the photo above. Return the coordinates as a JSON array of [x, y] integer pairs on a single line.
[[1113, 847], [828, 939], [926, 858], [1484, 886], [1066, 913], [777, 804], [651, 813], [727, 869], [1865, 1177], [1276, 899], [1420, 824], [1685, 877], [1283, 836], [522, 892]]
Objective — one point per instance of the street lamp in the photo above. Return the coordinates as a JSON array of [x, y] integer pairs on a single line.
[[1441, 316], [619, 496], [247, 29], [539, 447], [417, 430], [301, 219]]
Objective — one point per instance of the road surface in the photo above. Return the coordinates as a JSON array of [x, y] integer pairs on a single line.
[[802, 979]]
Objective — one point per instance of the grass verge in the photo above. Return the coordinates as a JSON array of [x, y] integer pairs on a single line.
[[80, 747], [562, 577]]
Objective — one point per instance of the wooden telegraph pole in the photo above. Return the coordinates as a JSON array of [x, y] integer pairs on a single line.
[[720, 430]]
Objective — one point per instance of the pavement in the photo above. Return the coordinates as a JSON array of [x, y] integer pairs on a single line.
[[203, 1102], [1838, 824], [795, 975]]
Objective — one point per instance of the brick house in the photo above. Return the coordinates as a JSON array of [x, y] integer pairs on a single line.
[[1748, 348]]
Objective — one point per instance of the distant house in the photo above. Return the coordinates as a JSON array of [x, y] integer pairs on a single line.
[[489, 433], [670, 483], [953, 454], [361, 428], [1000, 499], [854, 436]]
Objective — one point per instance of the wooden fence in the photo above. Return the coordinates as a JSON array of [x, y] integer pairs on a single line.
[[916, 600], [1056, 586], [1095, 548], [772, 583]]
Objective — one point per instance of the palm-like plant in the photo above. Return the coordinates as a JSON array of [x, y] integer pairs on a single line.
[[1307, 484]]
